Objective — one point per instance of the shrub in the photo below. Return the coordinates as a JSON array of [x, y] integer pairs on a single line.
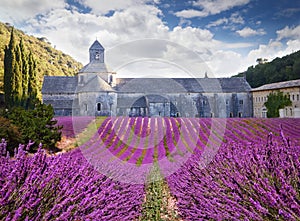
[[10, 133], [37, 125]]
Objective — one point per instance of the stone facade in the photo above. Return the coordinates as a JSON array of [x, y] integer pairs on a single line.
[[95, 91], [260, 96]]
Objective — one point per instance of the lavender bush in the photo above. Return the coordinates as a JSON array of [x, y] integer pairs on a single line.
[[63, 187]]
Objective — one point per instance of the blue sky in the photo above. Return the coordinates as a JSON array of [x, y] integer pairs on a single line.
[[164, 37]]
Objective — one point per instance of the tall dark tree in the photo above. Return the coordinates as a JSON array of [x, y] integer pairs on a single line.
[[32, 82], [9, 59], [25, 72], [17, 91]]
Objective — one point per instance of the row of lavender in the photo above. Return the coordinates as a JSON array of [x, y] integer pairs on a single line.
[[145, 140], [255, 174], [62, 187]]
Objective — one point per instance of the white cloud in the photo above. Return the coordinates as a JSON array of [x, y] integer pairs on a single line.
[[17, 11], [73, 32], [210, 7], [217, 6], [288, 32], [184, 22], [218, 22], [225, 63], [191, 13], [102, 7], [247, 32], [236, 18], [230, 22]]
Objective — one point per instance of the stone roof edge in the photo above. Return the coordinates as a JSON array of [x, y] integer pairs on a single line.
[[278, 85]]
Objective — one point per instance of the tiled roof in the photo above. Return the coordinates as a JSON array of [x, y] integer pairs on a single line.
[[59, 84], [182, 85], [278, 85], [148, 85]]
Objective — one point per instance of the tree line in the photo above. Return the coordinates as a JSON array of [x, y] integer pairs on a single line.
[[280, 69]]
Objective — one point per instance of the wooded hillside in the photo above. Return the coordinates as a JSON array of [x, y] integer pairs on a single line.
[[50, 61], [280, 69]]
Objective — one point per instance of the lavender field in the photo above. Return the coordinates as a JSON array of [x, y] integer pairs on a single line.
[[160, 169]]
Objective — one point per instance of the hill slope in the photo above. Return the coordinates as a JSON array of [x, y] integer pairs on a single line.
[[50, 61], [280, 69]]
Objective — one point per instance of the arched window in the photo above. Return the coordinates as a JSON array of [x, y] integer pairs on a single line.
[[98, 106]]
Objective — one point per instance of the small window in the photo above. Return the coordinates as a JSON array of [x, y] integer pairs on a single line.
[[231, 114], [240, 114], [110, 79], [241, 101], [86, 107], [97, 56], [227, 101], [98, 106], [293, 97], [297, 97]]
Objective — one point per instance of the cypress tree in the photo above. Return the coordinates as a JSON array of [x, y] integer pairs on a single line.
[[25, 73], [8, 70], [32, 82], [17, 72]]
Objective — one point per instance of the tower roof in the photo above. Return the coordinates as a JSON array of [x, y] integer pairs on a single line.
[[96, 45]]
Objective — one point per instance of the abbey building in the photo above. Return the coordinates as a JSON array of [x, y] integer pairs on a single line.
[[96, 91]]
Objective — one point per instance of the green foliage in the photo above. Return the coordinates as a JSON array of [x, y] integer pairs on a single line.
[[10, 133], [275, 102], [32, 82], [48, 62], [154, 196], [37, 125], [280, 69], [156, 205], [25, 70]]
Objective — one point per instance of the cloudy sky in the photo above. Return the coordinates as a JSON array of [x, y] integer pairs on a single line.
[[164, 37]]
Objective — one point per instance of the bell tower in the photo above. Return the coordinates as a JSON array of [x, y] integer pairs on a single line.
[[96, 52]]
